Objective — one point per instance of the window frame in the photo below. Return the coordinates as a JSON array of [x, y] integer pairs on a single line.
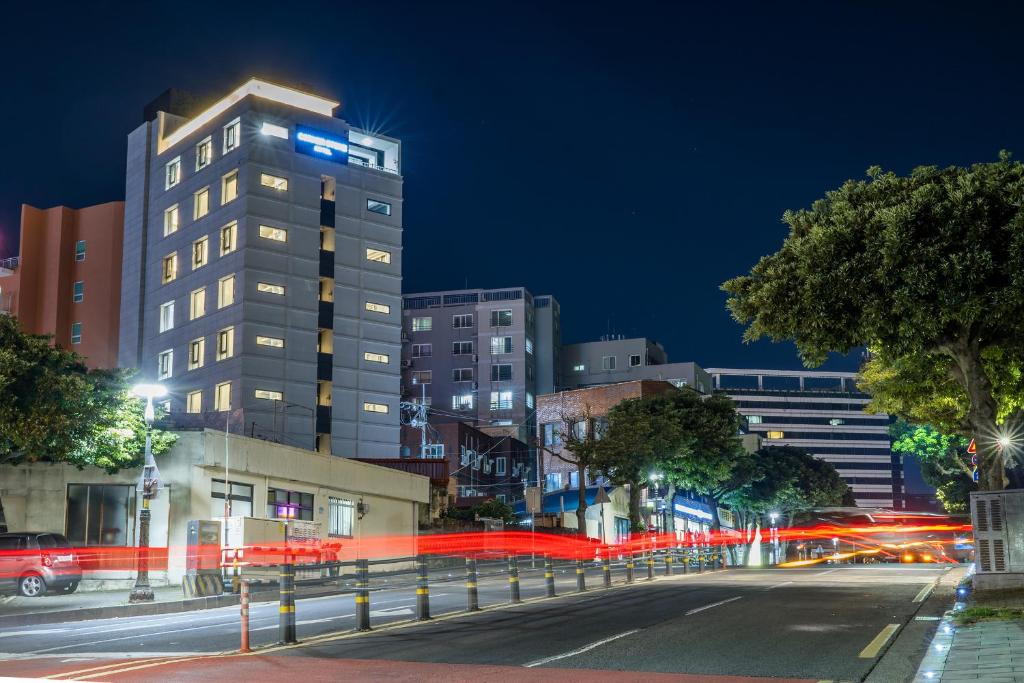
[[273, 233], [497, 372], [199, 343], [168, 275], [76, 333], [217, 395], [167, 306], [172, 219], [231, 230], [232, 178], [270, 342], [200, 252], [222, 300], [267, 288], [463, 316], [375, 255], [374, 307], [79, 251], [418, 324], [281, 184], [226, 333], [378, 203], [206, 143], [497, 315], [235, 128], [201, 192], [78, 292], [460, 344], [165, 364], [175, 164], [188, 402]]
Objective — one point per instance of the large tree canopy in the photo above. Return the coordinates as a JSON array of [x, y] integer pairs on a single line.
[[55, 409], [926, 270], [943, 459]]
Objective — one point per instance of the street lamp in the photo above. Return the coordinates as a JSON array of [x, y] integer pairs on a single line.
[[659, 504], [774, 534], [149, 485]]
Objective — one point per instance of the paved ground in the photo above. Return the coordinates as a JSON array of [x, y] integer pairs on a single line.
[[987, 651], [820, 623]]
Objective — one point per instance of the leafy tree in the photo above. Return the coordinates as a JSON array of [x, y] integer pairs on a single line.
[[579, 448], [55, 409], [943, 460], [495, 509], [927, 271]]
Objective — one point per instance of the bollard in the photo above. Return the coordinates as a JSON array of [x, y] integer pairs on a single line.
[[650, 565], [549, 576], [513, 579], [472, 598], [581, 579], [422, 591], [244, 603], [685, 561], [629, 569], [668, 562], [286, 626], [700, 561], [362, 595], [606, 565]]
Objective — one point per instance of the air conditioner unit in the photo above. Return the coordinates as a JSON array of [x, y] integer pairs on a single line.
[[998, 519]]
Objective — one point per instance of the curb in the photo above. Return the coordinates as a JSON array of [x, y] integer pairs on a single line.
[[934, 661]]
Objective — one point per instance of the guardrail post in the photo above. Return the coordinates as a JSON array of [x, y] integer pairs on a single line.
[[244, 604], [472, 597], [629, 568], [362, 595], [549, 576], [513, 579], [650, 565], [700, 560], [422, 590], [286, 625], [581, 578], [668, 561], [606, 565]]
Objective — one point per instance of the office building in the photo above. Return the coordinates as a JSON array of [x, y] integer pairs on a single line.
[[615, 359], [480, 355], [822, 412], [66, 279], [262, 268]]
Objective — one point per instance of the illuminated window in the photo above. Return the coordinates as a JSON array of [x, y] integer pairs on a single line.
[[232, 133], [501, 373], [283, 504], [165, 364], [171, 219], [772, 434], [204, 153], [196, 353], [271, 233], [462, 348], [462, 375], [270, 341], [274, 130], [80, 250], [76, 333], [222, 396], [170, 268], [378, 255], [375, 357], [375, 407], [268, 288], [194, 402], [529, 345], [201, 203], [173, 173], [167, 316], [462, 321], [78, 292], [579, 367], [424, 324], [383, 208], [229, 187], [197, 304], [226, 291], [836, 421], [377, 308], [501, 318], [225, 343], [462, 402], [422, 350], [228, 237], [273, 182], [422, 376], [529, 400], [501, 345], [268, 395], [200, 252], [754, 419], [501, 400]]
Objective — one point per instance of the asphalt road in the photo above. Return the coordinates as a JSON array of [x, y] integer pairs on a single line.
[[814, 623]]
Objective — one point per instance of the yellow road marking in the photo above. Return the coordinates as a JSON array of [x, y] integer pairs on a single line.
[[871, 651]]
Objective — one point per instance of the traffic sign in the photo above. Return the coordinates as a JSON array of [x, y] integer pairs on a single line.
[[975, 475], [601, 497], [974, 459], [972, 448]]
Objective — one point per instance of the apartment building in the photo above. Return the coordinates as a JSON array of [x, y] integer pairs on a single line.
[[65, 281], [615, 358], [262, 268], [480, 355], [822, 412]]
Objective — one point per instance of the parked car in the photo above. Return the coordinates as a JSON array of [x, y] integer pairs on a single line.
[[32, 563]]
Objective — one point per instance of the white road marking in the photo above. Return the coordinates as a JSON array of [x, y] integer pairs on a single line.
[[778, 585], [714, 604], [828, 571], [304, 623], [585, 648], [33, 633], [391, 612], [927, 618], [112, 655]]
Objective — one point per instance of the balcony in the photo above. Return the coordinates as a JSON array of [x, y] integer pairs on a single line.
[[9, 265], [374, 152]]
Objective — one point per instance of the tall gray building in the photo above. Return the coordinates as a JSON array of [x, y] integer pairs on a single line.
[[618, 359], [262, 269], [822, 412], [480, 355]]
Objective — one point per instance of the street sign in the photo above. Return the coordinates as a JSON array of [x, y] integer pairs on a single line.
[[972, 448], [601, 497], [533, 499], [975, 475], [974, 459]]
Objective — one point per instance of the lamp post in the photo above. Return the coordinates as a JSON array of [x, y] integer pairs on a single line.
[[149, 485], [774, 535]]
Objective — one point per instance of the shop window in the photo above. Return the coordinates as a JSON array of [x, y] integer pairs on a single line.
[[97, 514], [282, 504]]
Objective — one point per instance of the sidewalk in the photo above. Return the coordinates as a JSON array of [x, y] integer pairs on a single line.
[[986, 651]]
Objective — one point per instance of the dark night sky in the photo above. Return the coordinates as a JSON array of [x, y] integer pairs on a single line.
[[625, 157]]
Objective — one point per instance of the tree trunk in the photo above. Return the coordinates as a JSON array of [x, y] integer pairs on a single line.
[[581, 509], [981, 416], [634, 506]]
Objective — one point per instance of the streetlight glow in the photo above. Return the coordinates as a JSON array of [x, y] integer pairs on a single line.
[[149, 391]]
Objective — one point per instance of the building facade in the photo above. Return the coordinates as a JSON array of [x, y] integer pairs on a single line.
[[262, 269], [617, 359], [66, 280], [480, 355], [822, 412]]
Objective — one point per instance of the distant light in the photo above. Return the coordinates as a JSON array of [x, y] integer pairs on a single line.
[[929, 674], [1004, 441], [938, 647], [274, 130], [366, 141], [149, 390]]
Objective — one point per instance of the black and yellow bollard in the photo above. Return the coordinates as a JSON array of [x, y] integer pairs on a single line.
[[629, 569], [606, 566], [286, 625], [549, 576], [700, 561], [668, 562], [513, 579], [581, 578], [650, 565], [685, 561], [422, 590], [472, 597], [362, 595]]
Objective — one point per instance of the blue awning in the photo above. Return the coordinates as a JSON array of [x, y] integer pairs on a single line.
[[554, 501], [683, 506]]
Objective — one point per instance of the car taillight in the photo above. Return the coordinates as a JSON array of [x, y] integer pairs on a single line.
[[47, 562]]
